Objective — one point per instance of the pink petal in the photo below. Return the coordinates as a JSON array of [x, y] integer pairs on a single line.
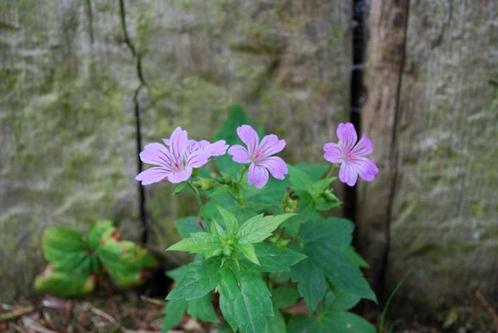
[[366, 168], [257, 176], [239, 154], [178, 142], [249, 136], [198, 159], [348, 174], [347, 136], [180, 176], [217, 148], [363, 147], [276, 166], [332, 152], [156, 154], [271, 145], [152, 175]]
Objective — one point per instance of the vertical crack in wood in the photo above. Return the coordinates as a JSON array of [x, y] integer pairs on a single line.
[[137, 111], [357, 91], [393, 158]]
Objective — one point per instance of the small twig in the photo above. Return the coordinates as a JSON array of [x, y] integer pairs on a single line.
[[488, 308], [16, 313], [153, 301], [103, 314]]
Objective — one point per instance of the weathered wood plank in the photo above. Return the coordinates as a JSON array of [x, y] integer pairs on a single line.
[[442, 214]]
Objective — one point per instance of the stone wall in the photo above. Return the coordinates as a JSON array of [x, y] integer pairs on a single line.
[[74, 72]]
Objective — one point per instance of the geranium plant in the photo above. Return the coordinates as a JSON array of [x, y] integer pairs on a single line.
[[263, 239]]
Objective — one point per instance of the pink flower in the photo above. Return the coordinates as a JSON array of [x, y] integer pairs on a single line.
[[259, 155], [352, 155], [177, 157]]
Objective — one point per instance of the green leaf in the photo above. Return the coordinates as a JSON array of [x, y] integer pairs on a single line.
[[276, 259], [310, 282], [333, 231], [340, 301], [97, 230], [201, 277], [258, 228], [300, 180], [67, 251], [125, 261], [64, 284], [340, 322], [202, 309], [283, 297], [355, 257], [276, 323], [245, 301], [229, 220], [248, 251], [187, 225], [268, 198], [235, 118], [303, 324], [180, 187], [314, 171], [199, 242], [173, 314], [339, 269]]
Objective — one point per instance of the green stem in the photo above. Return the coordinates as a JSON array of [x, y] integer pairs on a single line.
[[196, 193], [242, 173], [331, 170]]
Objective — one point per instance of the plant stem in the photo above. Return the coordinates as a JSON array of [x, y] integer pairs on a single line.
[[331, 170], [196, 193], [242, 173]]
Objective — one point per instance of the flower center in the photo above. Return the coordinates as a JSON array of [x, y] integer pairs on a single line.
[[347, 156], [256, 156]]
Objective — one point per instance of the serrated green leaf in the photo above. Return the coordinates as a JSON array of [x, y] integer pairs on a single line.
[[229, 220], [355, 257], [173, 314], [178, 273], [310, 281], [97, 230], [202, 309], [335, 232], [201, 277], [276, 259], [64, 284], [258, 228], [283, 297], [248, 251], [245, 301], [187, 225], [339, 269], [199, 242], [340, 301], [67, 251]]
